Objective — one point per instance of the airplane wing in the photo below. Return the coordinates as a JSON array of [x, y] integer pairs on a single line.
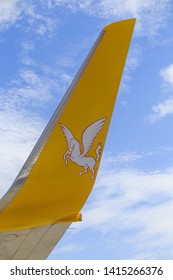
[[56, 179]]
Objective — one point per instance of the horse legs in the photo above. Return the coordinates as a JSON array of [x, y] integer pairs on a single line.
[[93, 173], [85, 170], [91, 165]]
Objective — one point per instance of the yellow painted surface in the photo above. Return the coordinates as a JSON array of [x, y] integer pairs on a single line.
[[53, 191]]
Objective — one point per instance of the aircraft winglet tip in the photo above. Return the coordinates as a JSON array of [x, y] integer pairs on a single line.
[[130, 21]]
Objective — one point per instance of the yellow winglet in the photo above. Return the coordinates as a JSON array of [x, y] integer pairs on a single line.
[[59, 174]]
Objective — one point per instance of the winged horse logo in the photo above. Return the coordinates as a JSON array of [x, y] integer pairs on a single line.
[[74, 146]]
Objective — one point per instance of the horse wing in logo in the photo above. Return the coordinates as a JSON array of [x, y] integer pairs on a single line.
[[74, 147], [90, 134]]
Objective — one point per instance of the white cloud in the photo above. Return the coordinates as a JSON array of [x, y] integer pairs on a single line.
[[27, 48], [10, 11], [18, 134], [129, 211], [68, 249], [73, 4], [21, 120], [38, 19], [151, 15], [134, 205], [167, 75], [36, 86], [161, 110], [132, 62], [121, 159], [164, 108], [28, 89]]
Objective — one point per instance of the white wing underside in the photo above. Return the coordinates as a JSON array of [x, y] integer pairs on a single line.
[[31, 244]]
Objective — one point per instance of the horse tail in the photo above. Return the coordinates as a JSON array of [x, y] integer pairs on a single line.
[[98, 151]]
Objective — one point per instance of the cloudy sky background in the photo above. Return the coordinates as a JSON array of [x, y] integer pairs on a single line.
[[42, 45]]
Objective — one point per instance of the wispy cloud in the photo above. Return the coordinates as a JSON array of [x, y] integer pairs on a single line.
[[70, 248], [161, 110], [164, 108], [133, 205], [128, 210], [21, 120], [151, 15], [18, 133], [34, 85], [121, 159], [40, 19], [27, 48], [43, 20], [28, 89], [132, 62], [167, 75], [10, 11], [37, 17]]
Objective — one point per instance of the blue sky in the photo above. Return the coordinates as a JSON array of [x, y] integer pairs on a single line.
[[42, 45]]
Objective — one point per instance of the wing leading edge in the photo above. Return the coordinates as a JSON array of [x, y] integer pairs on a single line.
[[57, 178]]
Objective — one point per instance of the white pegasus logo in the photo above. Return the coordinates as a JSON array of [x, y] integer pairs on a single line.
[[74, 146]]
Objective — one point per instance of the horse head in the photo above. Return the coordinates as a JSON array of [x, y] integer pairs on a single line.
[[74, 147]]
